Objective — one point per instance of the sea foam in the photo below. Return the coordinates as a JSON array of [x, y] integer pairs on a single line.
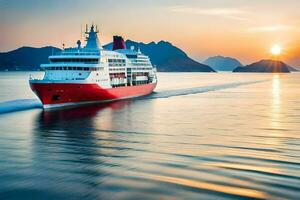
[[19, 104]]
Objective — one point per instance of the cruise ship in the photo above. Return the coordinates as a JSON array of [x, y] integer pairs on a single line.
[[91, 74]]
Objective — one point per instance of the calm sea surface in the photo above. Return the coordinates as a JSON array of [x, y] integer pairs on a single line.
[[199, 136]]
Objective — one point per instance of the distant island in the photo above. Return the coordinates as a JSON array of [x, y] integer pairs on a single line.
[[163, 55], [292, 69], [221, 63], [265, 66]]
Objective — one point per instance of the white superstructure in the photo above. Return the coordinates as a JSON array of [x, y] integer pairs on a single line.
[[92, 63]]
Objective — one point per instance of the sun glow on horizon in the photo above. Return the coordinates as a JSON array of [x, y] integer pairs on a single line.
[[276, 50]]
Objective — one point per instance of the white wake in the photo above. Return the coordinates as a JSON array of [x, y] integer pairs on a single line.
[[19, 104], [196, 90], [26, 104]]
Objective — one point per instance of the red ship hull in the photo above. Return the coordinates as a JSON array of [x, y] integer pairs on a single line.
[[70, 94]]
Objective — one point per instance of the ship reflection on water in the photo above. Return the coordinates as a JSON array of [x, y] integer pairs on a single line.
[[84, 112], [68, 147]]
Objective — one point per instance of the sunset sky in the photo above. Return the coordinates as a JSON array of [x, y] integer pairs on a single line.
[[239, 28]]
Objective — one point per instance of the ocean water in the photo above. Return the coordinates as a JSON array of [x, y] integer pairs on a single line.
[[198, 136]]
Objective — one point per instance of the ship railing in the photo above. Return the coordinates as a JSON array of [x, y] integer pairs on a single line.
[[76, 53]]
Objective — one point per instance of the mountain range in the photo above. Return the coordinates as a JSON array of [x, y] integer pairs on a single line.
[[221, 63], [26, 58], [167, 57], [163, 55]]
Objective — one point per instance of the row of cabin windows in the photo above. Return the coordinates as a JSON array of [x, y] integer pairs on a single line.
[[83, 60], [129, 69], [117, 69], [75, 68], [142, 68], [116, 64], [140, 60], [141, 64], [116, 60], [131, 56]]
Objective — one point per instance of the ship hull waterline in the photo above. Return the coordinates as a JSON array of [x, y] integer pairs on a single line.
[[57, 95]]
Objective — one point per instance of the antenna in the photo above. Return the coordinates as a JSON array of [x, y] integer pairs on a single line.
[[81, 31]]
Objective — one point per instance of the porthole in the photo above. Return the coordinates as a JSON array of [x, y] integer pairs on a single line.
[[55, 97]]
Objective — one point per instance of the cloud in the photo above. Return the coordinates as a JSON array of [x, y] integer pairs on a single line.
[[270, 28], [232, 13]]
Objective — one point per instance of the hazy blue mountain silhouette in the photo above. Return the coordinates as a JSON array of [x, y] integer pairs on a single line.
[[166, 57], [221, 63], [267, 66], [163, 55], [25, 58]]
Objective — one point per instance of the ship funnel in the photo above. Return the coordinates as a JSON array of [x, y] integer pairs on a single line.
[[118, 43]]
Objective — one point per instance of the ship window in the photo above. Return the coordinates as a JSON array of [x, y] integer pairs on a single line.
[[65, 68], [131, 56]]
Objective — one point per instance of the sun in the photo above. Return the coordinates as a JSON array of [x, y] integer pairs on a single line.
[[276, 50]]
